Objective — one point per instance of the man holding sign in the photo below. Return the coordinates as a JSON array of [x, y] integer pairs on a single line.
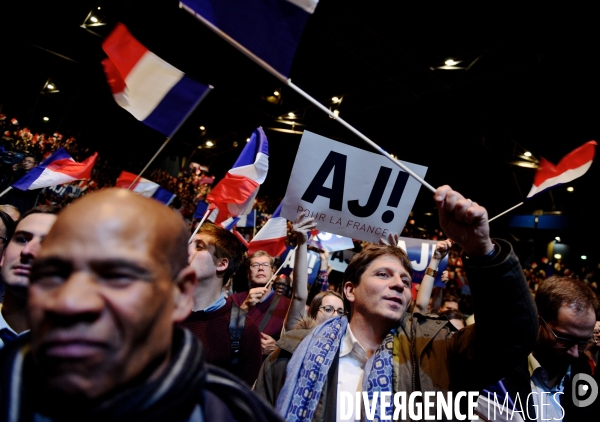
[[384, 351]]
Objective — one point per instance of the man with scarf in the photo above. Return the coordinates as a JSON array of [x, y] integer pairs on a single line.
[[105, 291], [386, 350]]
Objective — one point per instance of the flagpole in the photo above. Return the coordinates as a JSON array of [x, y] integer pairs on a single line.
[[277, 272], [289, 83], [206, 213], [210, 87], [5, 191], [502, 213]]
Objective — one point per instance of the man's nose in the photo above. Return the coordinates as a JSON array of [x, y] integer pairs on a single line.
[[32, 248], [573, 351], [77, 297]]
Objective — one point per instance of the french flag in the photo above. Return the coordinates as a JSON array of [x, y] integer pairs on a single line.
[[241, 221], [573, 165], [152, 90], [269, 29], [57, 169], [235, 194], [271, 238], [145, 187]]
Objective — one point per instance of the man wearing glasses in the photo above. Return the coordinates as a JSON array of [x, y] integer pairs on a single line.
[[544, 383], [265, 307]]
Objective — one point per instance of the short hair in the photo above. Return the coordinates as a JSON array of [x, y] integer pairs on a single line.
[[315, 304], [258, 254], [226, 246], [454, 314], [40, 209], [370, 253], [450, 298], [10, 207], [35, 160], [558, 291], [9, 224]]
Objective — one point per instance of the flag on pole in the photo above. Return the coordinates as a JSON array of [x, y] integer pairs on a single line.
[[235, 194], [57, 169], [145, 187], [269, 29], [572, 166], [271, 238], [152, 90], [241, 221]]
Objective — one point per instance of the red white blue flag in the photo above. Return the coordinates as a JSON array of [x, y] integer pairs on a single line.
[[572, 166], [271, 238], [153, 91], [57, 169], [145, 187], [235, 194], [269, 29]]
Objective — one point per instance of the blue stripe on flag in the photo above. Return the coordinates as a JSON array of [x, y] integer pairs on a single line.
[[163, 196], [277, 211], [258, 143], [271, 29], [32, 175], [200, 209], [174, 108]]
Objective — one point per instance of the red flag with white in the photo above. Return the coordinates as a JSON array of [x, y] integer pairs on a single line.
[[271, 238], [573, 165], [57, 169], [145, 187], [235, 194]]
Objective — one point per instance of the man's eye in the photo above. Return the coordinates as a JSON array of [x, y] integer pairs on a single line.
[[406, 281], [20, 239], [200, 247], [382, 274]]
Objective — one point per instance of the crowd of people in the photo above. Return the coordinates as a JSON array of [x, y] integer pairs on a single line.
[[116, 313]]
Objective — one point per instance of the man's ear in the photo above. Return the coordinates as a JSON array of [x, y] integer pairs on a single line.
[[349, 291], [223, 264], [183, 293]]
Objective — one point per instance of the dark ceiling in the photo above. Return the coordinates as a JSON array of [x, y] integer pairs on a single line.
[[531, 85]]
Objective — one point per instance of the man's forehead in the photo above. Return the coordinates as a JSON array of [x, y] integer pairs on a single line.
[[260, 259], [38, 222]]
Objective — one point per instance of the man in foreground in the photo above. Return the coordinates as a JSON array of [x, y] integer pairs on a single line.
[[384, 349], [106, 290]]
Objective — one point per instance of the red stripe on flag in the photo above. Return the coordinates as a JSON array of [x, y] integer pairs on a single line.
[[125, 179], [273, 247], [74, 169], [124, 50]]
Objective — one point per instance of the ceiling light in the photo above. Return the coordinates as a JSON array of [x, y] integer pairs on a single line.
[[276, 93], [450, 62], [525, 164], [583, 257], [292, 115], [527, 154], [570, 189], [557, 238], [202, 128], [98, 7], [335, 100], [336, 112], [235, 144], [247, 140], [94, 19], [557, 256], [45, 118], [209, 144], [50, 86]]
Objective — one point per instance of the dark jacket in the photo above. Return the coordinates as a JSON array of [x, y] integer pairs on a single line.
[[440, 359]]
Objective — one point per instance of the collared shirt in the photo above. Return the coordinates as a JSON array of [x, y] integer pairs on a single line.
[[546, 399], [217, 304], [353, 358], [4, 325]]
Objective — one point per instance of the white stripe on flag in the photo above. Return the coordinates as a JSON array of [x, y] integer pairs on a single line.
[[148, 82], [565, 177], [307, 5], [51, 178], [256, 171]]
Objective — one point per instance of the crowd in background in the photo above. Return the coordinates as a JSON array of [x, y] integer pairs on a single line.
[[194, 183]]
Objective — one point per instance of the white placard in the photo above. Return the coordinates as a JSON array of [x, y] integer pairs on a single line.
[[349, 191]]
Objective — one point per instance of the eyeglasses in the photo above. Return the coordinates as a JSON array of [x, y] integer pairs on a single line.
[[257, 265], [567, 343], [329, 310]]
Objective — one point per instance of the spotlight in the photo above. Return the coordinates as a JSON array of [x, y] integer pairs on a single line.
[[45, 118]]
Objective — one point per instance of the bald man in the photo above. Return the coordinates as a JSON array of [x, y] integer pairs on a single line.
[[105, 291]]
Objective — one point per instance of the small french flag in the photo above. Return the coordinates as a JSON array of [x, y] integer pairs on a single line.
[[572, 166], [152, 90], [57, 169], [145, 187], [271, 238], [236, 192]]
